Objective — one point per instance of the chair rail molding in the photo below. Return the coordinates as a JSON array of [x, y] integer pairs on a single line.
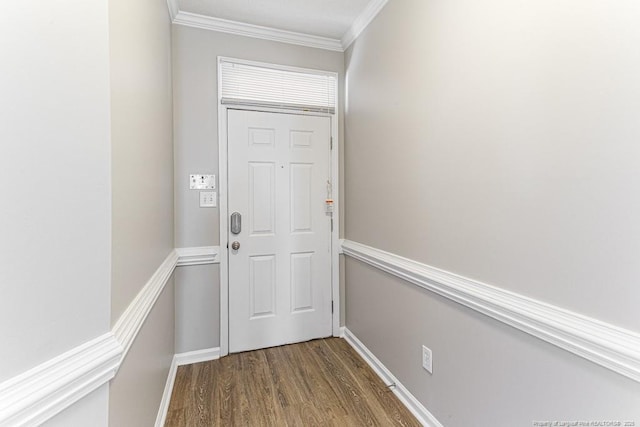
[[33, 397], [128, 325], [38, 394], [607, 345], [198, 255]]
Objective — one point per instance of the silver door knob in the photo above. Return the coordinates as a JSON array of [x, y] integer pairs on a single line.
[[235, 246]]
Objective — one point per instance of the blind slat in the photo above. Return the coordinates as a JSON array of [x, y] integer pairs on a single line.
[[261, 86]]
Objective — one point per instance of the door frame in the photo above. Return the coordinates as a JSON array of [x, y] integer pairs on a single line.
[[334, 163]]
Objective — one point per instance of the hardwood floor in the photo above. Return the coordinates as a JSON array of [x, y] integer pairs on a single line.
[[322, 382]]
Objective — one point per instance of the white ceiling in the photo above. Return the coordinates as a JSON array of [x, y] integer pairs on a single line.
[[324, 18]]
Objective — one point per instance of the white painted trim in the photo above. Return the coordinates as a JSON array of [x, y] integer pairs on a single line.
[[417, 409], [181, 359], [211, 23], [128, 325], [38, 394], [198, 356], [362, 21], [173, 7], [335, 234], [256, 31], [224, 210], [166, 394], [607, 345], [224, 217], [198, 255]]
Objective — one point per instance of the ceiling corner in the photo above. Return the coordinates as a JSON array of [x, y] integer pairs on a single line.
[[233, 27], [362, 21], [173, 9]]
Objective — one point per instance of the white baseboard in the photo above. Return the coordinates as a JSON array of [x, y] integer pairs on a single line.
[[197, 356], [180, 360], [417, 409], [166, 395], [607, 345]]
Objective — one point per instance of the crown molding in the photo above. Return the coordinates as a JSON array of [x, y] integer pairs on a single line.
[[605, 344], [256, 31], [268, 33], [173, 8], [362, 21]]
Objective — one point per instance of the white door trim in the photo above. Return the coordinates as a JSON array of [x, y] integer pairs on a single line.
[[224, 212]]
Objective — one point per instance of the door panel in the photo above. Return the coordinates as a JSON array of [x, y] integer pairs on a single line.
[[280, 276], [262, 201], [301, 177], [262, 282], [301, 282]]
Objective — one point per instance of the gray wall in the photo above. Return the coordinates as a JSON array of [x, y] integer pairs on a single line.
[[92, 410], [54, 181], [516, 124], [195, 55], [197, 307], [87, 184], [485, 373], [504, 135], [136, 391], [142, 191], [142, 145], [55, 186]]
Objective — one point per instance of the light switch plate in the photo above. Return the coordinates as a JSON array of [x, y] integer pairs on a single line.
[[208, 199], [202, 182], [427, 359]]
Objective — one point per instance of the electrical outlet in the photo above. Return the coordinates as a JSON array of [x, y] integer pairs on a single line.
[[427, 359]]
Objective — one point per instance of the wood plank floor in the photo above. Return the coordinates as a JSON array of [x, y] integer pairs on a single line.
[[321, 382]]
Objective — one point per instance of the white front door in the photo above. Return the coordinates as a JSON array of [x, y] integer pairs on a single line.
[[280, 275]]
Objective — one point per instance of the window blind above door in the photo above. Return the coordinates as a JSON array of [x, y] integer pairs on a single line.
[[272, 86]]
